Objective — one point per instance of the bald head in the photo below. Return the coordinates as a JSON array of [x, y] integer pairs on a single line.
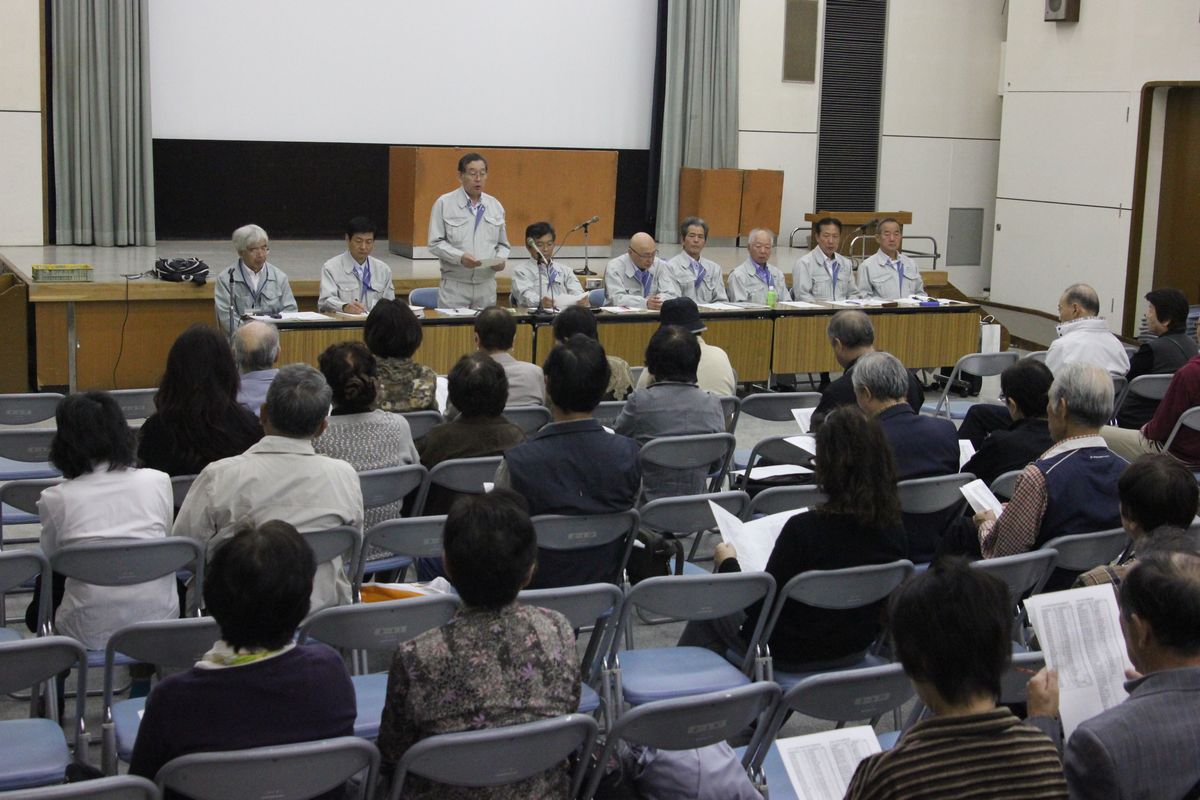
[[256, 346], [1078, 301], [642, 250]]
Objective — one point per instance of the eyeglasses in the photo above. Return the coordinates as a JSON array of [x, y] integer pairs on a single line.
[[476, 173], [651, 254]]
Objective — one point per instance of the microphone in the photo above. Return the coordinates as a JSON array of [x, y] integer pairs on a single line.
[[586, 222], [866, 225], [540, 260], [537, 254], [232, 304]]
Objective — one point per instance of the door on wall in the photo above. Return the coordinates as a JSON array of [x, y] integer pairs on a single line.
[[1177, 235]]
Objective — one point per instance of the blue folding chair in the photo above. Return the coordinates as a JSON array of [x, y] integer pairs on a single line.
[[28, 408], [406, 539], [19, 504], [25, 453], [116, 787], [18, 569], [426, 297]]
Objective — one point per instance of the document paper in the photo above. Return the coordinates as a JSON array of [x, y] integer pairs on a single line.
[[980, 497], [1080, 634], [804, 418], [820, 765], [753, 541]]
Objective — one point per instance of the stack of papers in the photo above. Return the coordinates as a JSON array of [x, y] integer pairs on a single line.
[[806, 442], [820, 765], [623, 310], [965, 451], [754, 540], [720, 307], [803, 418], [774, 471], [980, 497], [456, 312], [797, 304], [291, 316]]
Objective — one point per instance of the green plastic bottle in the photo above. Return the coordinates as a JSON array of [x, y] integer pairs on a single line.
[[772, 297]]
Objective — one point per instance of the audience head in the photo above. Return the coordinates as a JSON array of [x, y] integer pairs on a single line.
[[91, 431], [577, 374], [1080, 400], [1166, 311], [543, 237], [257, 585], [693, 233], [495, 329], [1026, 388], [351, 372], [573, 320], [252, 246], [850, 334], [829, 234], [681, 311], [889, 235], [1078, 301], [472, 173], [1157, 490], [880, 381], [200, 376], [489, 548], [256, 346], [642, 250], [360, 238], [855, 468], [673, 354], [392, 330], [759, 243], [1160, 611], [297, 403], [951, 626], [478, 386]]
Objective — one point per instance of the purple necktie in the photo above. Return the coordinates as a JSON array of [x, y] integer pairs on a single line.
[[698, 268], [899, 265], [364, 276], [764, 274], [643, 276], [833, 273], [478, 214]]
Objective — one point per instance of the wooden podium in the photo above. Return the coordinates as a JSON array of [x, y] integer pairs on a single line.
[[732, 201], [855, 223]]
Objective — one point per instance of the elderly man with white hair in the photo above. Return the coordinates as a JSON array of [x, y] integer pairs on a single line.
[[750, 281], [255, 348], [1072, 487], [251, 285]]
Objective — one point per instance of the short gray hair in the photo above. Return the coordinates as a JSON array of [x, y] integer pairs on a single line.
[[298, 401], [852, 328], [256, 346], [248, 236], [882, 374], [770, 234], [1088, 391], [689, 222]]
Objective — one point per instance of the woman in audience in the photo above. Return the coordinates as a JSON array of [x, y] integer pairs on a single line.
[[366, 439], [393, 334], [573, 320], [105, 497], [197, 419], [496, 662], [255, 687], [859, 524]]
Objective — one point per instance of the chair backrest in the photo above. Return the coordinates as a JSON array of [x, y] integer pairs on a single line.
[[692, 514], [23, 495], [28, 662], [283, 772], [778, 450], [381, 487], [1037, 355], [1004, 484], [378, 626], [528, 418], [330, 543], [426, 297], [1188, 419], [1014, 679], [563, 533], [168, 643], [982, 364], [415, 537], [841, 589], [28, 408], [596, 297], [1082, 551], [1120, 385], [127, 562], [595, 605], [711, 451], [26, 445], [1148, 387], [731, 407], [113, 787], [500, 756], [786, 498], [20, 566], [608, 411], [180, 486], [465, 475], [135, 403], [1023, 573], [777, 406], [927, 495], [421, 422]]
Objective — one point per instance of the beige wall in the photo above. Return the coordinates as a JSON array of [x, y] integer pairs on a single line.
[[22, 194]]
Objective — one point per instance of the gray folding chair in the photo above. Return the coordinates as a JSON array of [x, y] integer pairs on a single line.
[[563, 534], [19, 501], [981, 364], [930, 495], [33, 752], [421, 422], [691, 516], [342, 541], [688, 722], [180, 486], [636, 372], [772, 407], [1004, 484], [390, 485], [500, 756], [283, 772], [731, 407], [135, 403], [28, 408], [528, 418], [1189, 419], [835, 589], [116, 787], [774, 450], [786, 498], [1120, 384], [594, 606], [175, 643], [607, 412], [465, 475], [407, 539], [1037, 355], [709, 452], [650, 674], [375, 626], [25, 453], [17, 569], [1147, 387], [1082, 551], [1024, 574]]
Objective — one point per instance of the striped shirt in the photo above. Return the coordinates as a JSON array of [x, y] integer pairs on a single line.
[[992, 755]]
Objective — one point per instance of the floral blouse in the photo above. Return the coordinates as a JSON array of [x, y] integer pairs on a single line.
[[405, 385]]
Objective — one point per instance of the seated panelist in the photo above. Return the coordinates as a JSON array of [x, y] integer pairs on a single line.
[[539, 282], [355, 280], [251, 285]]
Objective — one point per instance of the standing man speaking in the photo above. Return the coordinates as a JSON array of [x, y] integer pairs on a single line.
[[466, 233]]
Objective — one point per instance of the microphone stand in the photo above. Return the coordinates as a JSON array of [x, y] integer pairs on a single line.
[[586, 269], [232, 305], [538, 310]]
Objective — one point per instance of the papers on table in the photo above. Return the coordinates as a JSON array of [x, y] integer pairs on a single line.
[[456, 312], [797, 304], [623, 310], [806, 442], [418, 311], [349, 315], [774, 471], [965, 450], [568, 301], [754, 540], [291, 316], [488, 263], [820, 765], [804, 418], [1080, 634], [718, 306], [980, 497]]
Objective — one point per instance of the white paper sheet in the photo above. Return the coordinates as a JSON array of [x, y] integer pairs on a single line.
[[442, 393], [1080, 633], [488, 263], [456, 312], [348, 315], [820, 765], [980, 497], [806, 442], [418, 311], [292, 316], [965, 450], [719, 306], [623, 310], [798, 304], [803, 418], [568, 301], [774, 471], [754, 540]]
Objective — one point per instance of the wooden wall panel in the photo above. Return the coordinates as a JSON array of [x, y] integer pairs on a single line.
[[14, 315], [762, 200], [714, 195]]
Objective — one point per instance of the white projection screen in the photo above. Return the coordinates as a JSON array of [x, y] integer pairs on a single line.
[[522, 73]]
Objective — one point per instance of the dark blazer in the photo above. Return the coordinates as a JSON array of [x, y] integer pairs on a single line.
[[1014, 448], [841, 393], [1162, 355]]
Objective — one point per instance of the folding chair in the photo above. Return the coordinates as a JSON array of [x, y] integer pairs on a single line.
[[28, 408], [17, 569], [1024, 574], [408, 538], [835, 589], [342, 541], [774, 450], [117, 787], [651, 674], [1037, 355], [705, 452], [731, 407], [691, 516], [135, 403], [375, 626], [528, 418], [1005, 484], [1146, 387], [930, 506], [421, 422], [1189, 419], [1080, 552], [561, 537], [595, 606], [465, 475], [636, 373], [19, 501], [283, 772], [607, 412], [175, 643], [388, 487], [425, 297], [786, 498], [500, 756], [33, 752], [180, 486], [772, 407], [596, 300], [981, 364], [25, 453], [688, 722]]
